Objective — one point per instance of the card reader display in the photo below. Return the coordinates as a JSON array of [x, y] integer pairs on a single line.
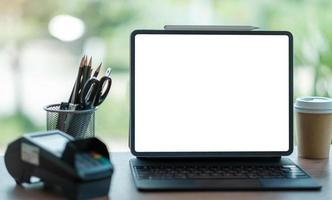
[[80, 168], [54, 142]]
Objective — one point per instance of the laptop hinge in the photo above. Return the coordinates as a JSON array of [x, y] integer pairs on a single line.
[[276, 158]]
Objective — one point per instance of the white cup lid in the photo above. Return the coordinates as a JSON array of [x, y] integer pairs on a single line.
[[313, 105]]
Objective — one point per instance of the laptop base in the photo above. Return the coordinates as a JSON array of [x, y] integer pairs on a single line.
[[161, 174]]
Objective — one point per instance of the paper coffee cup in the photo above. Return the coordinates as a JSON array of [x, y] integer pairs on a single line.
[[314, 126]]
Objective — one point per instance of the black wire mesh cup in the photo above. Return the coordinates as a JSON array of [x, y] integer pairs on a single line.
[[77, 123]]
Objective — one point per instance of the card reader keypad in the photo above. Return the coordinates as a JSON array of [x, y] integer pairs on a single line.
[[92, 159]]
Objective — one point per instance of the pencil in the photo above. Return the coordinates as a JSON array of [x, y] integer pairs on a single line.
[[85, 73], [90, 68], [78, 81], [95, 74], [72, 95]]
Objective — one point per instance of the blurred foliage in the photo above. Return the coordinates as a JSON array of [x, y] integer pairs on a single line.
[[15, 125], [112, 21]]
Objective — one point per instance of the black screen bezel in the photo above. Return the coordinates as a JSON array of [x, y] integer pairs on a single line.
[[207, 154]]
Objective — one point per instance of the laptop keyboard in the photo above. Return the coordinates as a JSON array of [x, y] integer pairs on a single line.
[[158, 172]]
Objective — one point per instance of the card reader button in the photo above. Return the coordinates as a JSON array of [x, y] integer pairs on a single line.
[[93, 159]]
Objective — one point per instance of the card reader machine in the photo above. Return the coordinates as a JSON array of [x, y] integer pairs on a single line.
[[80, 169]]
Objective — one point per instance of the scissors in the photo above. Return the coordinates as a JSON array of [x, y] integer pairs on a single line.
[[95, 91]]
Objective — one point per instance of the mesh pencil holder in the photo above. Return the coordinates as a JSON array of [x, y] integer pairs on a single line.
[[77, 123]]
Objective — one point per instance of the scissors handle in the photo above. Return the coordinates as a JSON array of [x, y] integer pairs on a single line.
[[104, 87], [89, 92]]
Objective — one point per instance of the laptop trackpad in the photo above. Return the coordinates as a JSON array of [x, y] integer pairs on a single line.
[[228, 184]]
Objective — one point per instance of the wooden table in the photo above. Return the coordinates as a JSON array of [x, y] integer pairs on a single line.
[[123, 188]]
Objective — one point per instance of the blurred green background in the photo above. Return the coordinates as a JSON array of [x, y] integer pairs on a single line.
[[42, 41]]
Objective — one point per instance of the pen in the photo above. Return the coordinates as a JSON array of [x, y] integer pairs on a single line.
[[210, 27]]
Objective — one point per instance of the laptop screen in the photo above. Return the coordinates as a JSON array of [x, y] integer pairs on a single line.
[[211, 92]]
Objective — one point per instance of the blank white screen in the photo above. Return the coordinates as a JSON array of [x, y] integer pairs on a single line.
[[199, 93]]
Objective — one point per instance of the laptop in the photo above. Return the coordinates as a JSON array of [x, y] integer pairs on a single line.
[[212, 110]]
